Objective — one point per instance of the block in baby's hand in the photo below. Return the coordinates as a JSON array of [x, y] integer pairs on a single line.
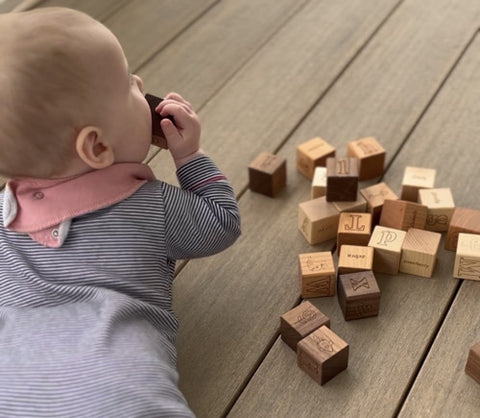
[[414, 179], [440, 208], [375, 196], [419, 252], [318, 220], [322, 355], [302, 320], [355, 258], [370, 155], [467, 258], [387, 245], [358, 295], [342, 179], [311, 154], [463, 220], [319, 183], [401, 214], [472, 367], [317, 274], [354, 229], [267, 174]]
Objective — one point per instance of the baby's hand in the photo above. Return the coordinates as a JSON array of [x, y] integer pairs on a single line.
[[183, 138]]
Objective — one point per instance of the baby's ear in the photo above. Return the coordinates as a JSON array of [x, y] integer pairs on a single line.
[[92, 149]]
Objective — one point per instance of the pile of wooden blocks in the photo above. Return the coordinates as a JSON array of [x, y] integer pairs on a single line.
[[376, 231]]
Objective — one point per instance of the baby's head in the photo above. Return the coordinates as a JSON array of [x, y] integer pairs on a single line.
[[68, 103]]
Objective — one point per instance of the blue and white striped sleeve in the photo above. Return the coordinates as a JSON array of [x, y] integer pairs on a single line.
[[202, 217]]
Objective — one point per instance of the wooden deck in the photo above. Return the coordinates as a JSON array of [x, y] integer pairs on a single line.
[[269, 75]]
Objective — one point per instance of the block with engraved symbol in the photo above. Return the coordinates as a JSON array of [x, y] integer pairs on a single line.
[[419, 252], [370, 155], [414, 179], [317, 274], [322, 355], [318, 220], [353, 229], [467, 258], [358, 295], [401, 214], [342, 179], [311, 154], [387, 246], [267, 174], [355, 258], [440, 206], [300, 321], [463, 220], [375, 196]]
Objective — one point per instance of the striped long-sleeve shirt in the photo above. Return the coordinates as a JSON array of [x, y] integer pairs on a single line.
[[87, 329]]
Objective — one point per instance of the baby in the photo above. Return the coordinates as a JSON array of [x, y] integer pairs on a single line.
[[90, 237]]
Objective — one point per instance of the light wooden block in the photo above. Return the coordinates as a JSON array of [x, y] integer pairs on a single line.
[[311, 154], [354, 258], [401, 214], [414, 179], [354, 229], [302, 320], [318, 220], [440, 206], [387, 245], [375, 196], [358, 295], [419, 252], [472, 367], [322, 355], [267, 174], [370, 155], [359, 205], [467, 258], [463, 220], [319, 183], [317, 274], [342, 179]]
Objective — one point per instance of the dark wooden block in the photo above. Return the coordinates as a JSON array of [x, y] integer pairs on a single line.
[[267, 174], [358, 295], [401, 214], [322, 355], [463, 220], [342, 179], [472, 368], [158, 137], [302, 320]]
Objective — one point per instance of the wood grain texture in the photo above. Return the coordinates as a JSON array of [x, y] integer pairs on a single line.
[[97, 9]]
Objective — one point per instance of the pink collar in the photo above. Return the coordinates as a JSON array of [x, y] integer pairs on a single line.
[[44, 208]]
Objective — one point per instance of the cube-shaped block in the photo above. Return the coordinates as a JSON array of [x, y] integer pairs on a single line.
[[354, 229], [387, 244], [317, 274], [370, 155], [342, 179], [322, 355], [419, 252], [355, 258], [414, 179], [440, 206], [319, 183], [359, 205], [302, 320], [311, 154], [463, 220], [318, 220], [375, 196], [267, 174], [401, 214], [472, 367], [358, 295], [467, 258]]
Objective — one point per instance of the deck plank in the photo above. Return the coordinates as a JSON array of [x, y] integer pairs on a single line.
[[97, 9]]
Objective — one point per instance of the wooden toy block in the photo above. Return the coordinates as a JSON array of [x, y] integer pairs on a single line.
[[311, 154], [302, 320], [322, 355], [342, 179], [318, 220], [419, 252], [401, 214], [354, 258], [267, 174], [319, 183], [370, 155], [359, 205], [467, 258], [472, 367], [387, 245], [440, 208], [414, 179], [354, 229], [317, 274], [375, 196], [463, 220], [358, 295]]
